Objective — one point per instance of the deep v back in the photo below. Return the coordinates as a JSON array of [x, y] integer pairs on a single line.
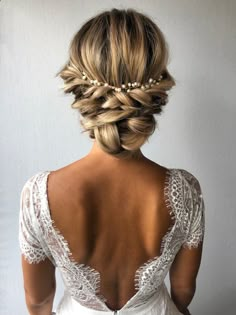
[[114, 223], [112, 250]]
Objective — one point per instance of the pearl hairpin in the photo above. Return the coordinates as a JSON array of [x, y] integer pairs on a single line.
[[124, 87]]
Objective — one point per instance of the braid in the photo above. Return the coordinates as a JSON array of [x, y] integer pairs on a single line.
[[119, 116]]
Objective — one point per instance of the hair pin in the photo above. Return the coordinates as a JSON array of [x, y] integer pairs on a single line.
[[125, 87]]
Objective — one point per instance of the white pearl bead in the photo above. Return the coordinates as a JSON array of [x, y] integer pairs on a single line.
[[143, 87], [150, 80], [123, 86], [106, 84], [129, 84]]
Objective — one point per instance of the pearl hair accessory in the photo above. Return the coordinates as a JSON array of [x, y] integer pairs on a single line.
[[124, 87]]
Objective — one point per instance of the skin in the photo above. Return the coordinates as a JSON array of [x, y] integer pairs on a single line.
[[85, 196]]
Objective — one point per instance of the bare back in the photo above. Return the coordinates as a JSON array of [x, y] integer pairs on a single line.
[[113, 218]]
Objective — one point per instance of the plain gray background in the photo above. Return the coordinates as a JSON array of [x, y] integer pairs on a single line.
[[39, 130]]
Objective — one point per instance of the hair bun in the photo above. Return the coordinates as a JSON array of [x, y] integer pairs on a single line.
[[109, 56]]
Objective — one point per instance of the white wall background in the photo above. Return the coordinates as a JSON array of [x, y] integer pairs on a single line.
[[39, 130]]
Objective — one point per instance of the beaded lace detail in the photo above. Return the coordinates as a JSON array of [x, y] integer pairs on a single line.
[[39, 239]]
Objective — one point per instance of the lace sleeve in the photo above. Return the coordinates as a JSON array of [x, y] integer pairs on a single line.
[[194, 201], [29, 242]]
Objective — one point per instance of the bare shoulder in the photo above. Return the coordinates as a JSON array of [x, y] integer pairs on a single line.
[[83, 177], [84, 168], [68, 172], [64, 182]]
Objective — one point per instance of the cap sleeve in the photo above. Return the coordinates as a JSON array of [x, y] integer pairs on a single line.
[[195, 209], [29, 239]]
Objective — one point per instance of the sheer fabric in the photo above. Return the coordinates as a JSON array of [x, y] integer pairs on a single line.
[[40, 239]]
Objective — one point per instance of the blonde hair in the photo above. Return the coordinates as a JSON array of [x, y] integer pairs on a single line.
[[118, 46]]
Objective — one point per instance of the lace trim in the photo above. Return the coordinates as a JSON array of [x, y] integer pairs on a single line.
[[91, 277], [142, 277], [196, 210], [30, 245], [171, 206], [139, 274], [83, 281], [40, 236]]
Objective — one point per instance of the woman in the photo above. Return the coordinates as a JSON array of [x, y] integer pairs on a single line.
[[114, 222]]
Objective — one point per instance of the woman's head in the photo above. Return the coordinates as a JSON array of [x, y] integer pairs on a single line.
[[118, 47]]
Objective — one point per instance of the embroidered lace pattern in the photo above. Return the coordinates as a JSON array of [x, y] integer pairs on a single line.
[[39, 239]]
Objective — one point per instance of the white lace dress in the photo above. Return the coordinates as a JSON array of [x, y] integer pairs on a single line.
[[40, 239]]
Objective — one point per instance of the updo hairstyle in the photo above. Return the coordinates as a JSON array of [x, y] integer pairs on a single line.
[[118, 47]]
